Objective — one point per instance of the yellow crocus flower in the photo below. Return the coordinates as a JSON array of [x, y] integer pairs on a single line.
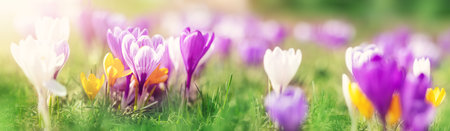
[[435, 96], [91, 85], [361, 102], [113, 69], [157, 76], [394, 113]]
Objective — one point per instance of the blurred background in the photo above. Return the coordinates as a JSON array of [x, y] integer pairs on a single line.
[[285, 23]]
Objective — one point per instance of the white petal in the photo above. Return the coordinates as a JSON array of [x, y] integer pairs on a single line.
[[348, 58], [55, 87], [421, 65], [345, 91]]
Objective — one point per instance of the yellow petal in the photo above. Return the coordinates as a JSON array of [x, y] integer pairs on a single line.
[[157, 76], [440, 97], [107, 61], [118, 65], [125, 73], [395, 111], [111, 75], [83, 81], [361, 102]]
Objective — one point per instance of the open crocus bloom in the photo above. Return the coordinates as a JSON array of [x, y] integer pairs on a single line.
[[56, 33], [42, 58], [289, 109], [39, 62], [281, 66], [142, 54], [194, 45], [91, 85], [113, 69], [435, 96], [116, 36]]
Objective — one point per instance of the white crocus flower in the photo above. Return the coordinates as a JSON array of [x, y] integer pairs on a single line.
[[40, 59], [357, 56], [52, 30], [281, 66], [176, 57], [421, 65]]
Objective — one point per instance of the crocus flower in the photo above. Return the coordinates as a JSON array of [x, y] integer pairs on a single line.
[[159, 75], [176, 58], [417, 113], [333, 33], [281, 66], [252, 51], [91, 85], [378, 78], [55, 32], [273, 31], [435, 96], [444, 40], [303, 32], [223, 45], [355, 98], [421, 45], [394, 44], [143, 55], [42, 58], [356, 56], [114, 69], [421, 66], [394, 113], [194, 45], [289, 109], [116, 36], [94, 24]]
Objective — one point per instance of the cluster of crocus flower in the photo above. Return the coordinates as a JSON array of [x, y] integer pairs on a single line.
[[286, 106], [394, 92], [331, 33], [403, 45], [249, 35], [139, 65], [41, 57]]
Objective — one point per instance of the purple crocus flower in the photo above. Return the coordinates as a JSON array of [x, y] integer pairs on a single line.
[[116, 36], [222, 45], [102, 21], [333, 33], [274, 32], [289, 109], [417, 114], [193, 45], [142, 54], [395, 45], [379, 78], [444, 40], [252, 51], [95, 24], [422, 45]]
